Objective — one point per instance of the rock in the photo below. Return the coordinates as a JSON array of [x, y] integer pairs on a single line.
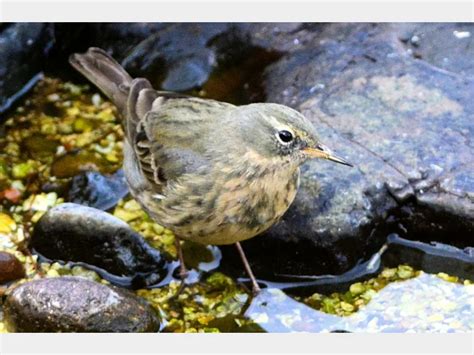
[[221, 59], [73, 304], [432, 258], [96, 190], [177, 56], [97, 240], [405, 125], [24, 47], [446, 46], [10, 268]]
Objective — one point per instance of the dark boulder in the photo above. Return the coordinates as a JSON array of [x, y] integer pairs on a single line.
[[101, 242]]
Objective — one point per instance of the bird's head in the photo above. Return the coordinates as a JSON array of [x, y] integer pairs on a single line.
[[279, 132]]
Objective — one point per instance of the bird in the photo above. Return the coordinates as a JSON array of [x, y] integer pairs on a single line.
[[212, 172]]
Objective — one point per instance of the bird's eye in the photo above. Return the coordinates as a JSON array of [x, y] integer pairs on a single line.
[[285, 136]]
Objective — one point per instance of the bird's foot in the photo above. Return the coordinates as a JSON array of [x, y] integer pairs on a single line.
[[255, 288]]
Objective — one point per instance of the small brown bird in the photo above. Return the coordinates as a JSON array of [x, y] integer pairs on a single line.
[[211, 172]]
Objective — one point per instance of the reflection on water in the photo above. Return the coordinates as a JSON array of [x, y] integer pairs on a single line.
[[274, 311], [422, 304]]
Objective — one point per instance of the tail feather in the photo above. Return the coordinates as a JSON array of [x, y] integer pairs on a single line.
[[104, 72]]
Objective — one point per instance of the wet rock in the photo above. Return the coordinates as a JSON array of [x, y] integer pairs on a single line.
[[73, 304], [96, 190], [101, 242], [433, 258], [177, 56], [24, 47], [116, 38], [404, 124], [10, 267], [215, 58]]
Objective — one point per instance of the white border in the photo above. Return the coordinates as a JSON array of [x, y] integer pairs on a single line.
[[233, 10], [296, 343]]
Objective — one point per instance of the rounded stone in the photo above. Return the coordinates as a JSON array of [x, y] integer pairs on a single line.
[[10, 267], [73, 304]]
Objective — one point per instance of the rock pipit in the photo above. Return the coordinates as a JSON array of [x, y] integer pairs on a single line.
[[212, 172]]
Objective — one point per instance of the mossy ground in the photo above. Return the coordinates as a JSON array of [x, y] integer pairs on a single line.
[[63, 129]]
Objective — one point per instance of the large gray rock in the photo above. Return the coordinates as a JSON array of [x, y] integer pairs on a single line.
[[406, 125], [73, 304], [24, 47]]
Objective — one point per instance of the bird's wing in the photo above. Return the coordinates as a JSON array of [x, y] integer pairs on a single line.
[[168, 132]]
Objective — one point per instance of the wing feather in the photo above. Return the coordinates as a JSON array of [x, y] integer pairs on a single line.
[[164, 131]]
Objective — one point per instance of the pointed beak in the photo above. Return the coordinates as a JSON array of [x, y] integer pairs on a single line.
[[322, 152]]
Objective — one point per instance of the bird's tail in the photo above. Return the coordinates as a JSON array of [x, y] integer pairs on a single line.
[[104, 72]]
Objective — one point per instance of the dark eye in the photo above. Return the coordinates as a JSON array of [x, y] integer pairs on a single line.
[[285, 136]]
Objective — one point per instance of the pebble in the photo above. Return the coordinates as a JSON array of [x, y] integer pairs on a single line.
[[10, 268]]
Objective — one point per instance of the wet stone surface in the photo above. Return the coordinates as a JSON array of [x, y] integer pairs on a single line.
[[73, 304], [24, 47], [98, 240], [96, 190]]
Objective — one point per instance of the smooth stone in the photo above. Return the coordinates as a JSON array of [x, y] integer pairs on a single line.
[[74, 304], [10, 268], [24, 47], [96, 190], [99, 241]]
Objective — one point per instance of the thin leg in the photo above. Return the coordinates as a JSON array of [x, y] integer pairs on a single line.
[[255, 287], [183, 272]]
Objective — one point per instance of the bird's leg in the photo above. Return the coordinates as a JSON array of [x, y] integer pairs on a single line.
[[255, 287], [183, 272]]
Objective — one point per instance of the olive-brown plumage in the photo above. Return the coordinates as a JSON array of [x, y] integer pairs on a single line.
[[212, 172]]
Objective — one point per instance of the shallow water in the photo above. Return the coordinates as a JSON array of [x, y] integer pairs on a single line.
[[423, 304]]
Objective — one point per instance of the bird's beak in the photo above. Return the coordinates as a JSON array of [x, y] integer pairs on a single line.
[[322, 152]]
